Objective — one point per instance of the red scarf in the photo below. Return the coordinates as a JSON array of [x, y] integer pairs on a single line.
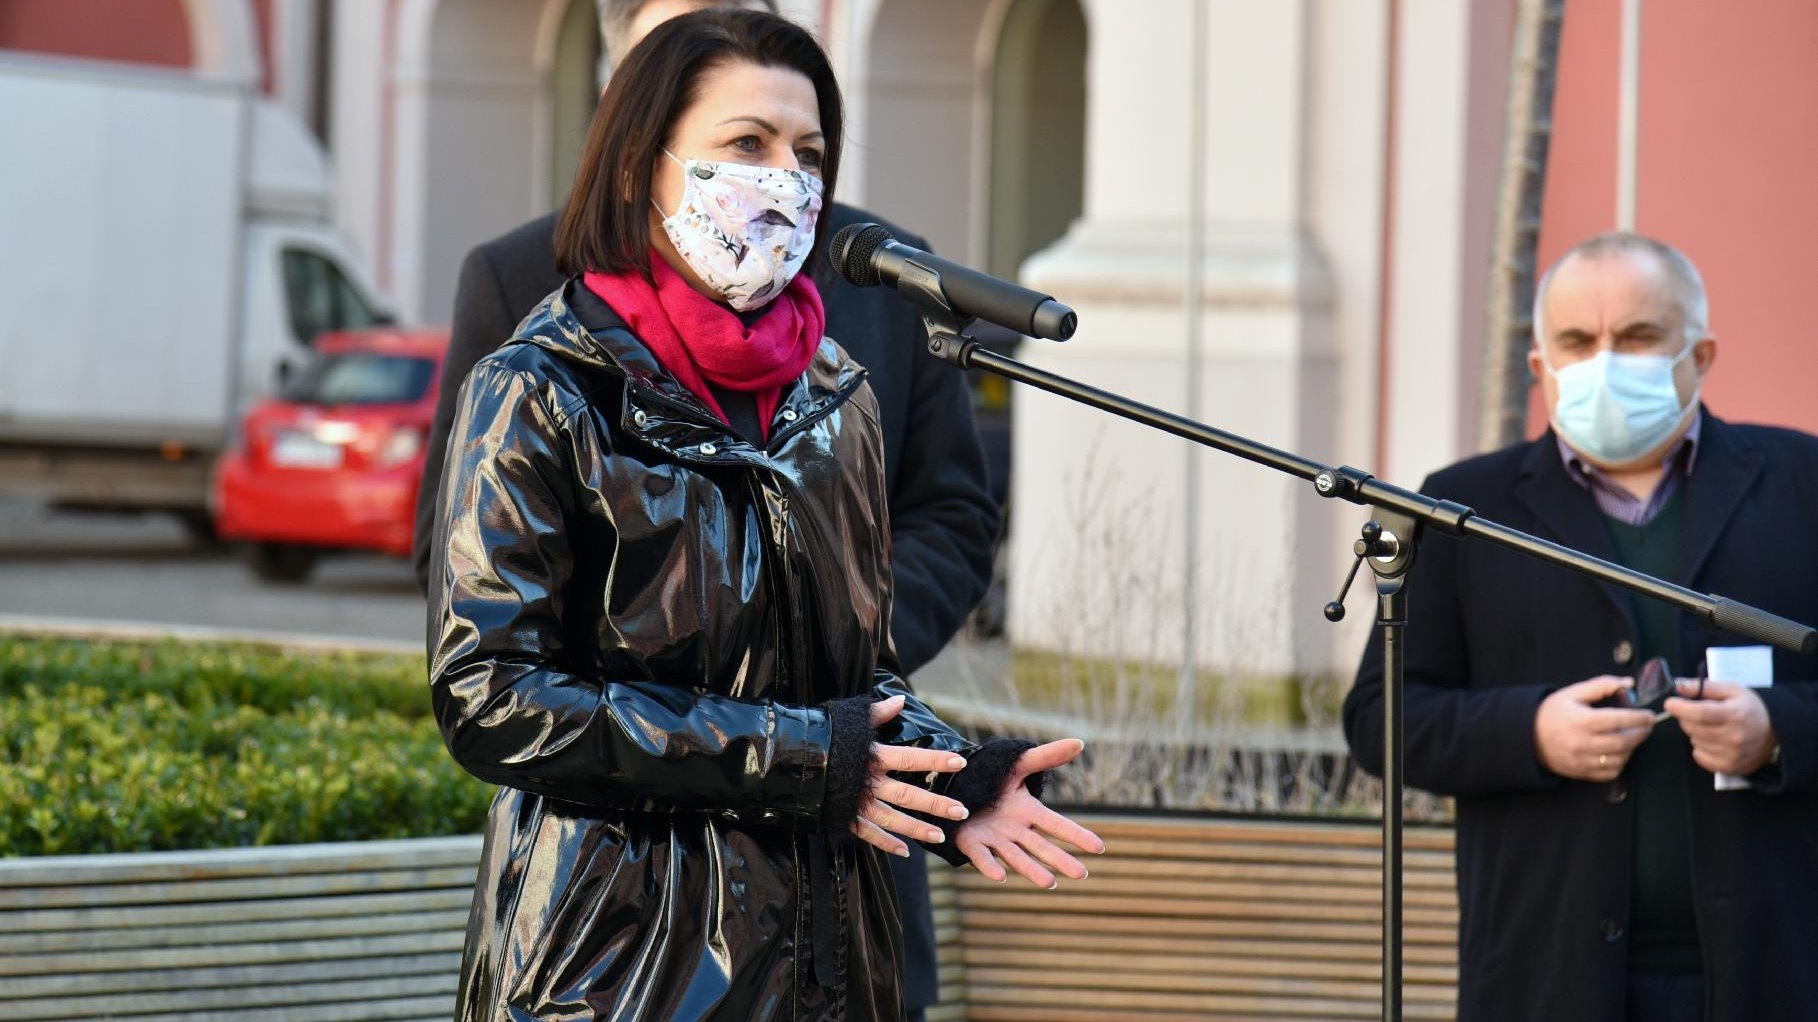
[[701, 341]]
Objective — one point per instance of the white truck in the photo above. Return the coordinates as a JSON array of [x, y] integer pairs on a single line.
[[166, 258]]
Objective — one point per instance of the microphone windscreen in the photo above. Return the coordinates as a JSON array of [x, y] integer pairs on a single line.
[[852, 250]]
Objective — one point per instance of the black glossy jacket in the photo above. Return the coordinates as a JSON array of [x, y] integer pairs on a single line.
[[637, 622]]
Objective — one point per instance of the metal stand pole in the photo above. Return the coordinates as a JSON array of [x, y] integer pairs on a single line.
[[1392, 618]]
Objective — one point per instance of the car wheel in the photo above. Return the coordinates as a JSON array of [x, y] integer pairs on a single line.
[[281, 562], [200, 528]]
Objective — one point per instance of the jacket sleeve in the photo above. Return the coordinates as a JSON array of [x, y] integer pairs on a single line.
[[1793, 711], [517, 708], [945, 522], [483, 320], [978, 787], [1460, 740]]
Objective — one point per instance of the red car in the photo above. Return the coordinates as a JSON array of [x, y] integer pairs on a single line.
[[334, 462]]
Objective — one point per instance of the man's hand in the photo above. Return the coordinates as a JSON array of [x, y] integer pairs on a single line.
[[1019, 832], [1729, 727], [1584, 742]]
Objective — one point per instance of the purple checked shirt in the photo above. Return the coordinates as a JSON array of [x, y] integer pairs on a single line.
[[1619, 503]]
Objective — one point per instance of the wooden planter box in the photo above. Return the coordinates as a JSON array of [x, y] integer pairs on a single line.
[[1189, 918], [1184, 918]]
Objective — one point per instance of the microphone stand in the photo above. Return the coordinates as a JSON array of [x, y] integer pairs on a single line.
[[1388, 544]]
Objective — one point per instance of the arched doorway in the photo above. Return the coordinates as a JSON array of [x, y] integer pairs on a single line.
[[1038, 130], [492, 98], [1035, 187], [918, 137], [974, 136], [574, 92]]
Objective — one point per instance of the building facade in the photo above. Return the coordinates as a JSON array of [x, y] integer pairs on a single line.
[[1341, 159]]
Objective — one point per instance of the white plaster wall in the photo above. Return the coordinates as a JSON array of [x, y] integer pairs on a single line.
[[1099, 505], [1346, 170], [224, 39], [916, 131], [806, 13], [294, 56], [357, 95], [844, 33], [1426, 301], [469, 130], [1452, 68]]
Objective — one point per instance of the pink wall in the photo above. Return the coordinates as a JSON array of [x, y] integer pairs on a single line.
[[1580, 197], [1727, 147], [137, 31]]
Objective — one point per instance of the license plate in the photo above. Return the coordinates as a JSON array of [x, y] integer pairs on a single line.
[[300, 450]]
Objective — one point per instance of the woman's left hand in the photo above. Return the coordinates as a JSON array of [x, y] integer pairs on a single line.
[[1020, 833]]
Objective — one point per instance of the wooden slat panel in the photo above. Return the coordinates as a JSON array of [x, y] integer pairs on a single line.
[[1214, 847], [1031, 1004], [445, 935], [1161, 904], [278, 860], [189, 914], [434, 1008], [294, 973], [1293, 832], [1189, 919], [1366, 873], [1090, 959], [1067, 939], [311, 885], [454, 919], [1286, 890], [1070, 985], [360, 993], [1252, 928], [1277, 1011]]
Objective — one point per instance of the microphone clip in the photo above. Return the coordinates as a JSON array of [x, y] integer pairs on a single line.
[[946, 340]]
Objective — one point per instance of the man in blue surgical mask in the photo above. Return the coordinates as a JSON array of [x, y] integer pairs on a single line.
[[1621, 862]]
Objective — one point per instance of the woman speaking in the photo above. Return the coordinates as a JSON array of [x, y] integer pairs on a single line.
[[660, 605]]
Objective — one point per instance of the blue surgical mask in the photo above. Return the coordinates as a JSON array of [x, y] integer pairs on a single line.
[[1616, 408]]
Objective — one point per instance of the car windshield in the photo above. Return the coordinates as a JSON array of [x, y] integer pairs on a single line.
[[361, 378]]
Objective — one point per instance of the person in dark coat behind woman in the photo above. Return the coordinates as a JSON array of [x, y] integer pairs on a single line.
[[1603, 874], [660, 591]]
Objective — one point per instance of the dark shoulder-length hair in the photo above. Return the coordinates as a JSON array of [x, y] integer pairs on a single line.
[[606, 223]]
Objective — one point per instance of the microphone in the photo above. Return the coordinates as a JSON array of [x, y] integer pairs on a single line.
[[867, 255]]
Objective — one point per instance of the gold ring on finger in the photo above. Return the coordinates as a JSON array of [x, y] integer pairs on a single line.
[[1603, 760]]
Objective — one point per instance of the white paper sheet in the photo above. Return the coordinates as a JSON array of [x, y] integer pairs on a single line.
[[1741, 665]]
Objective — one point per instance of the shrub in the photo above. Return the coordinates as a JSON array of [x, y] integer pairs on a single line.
[[142, 746]]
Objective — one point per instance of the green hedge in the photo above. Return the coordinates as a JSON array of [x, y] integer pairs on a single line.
[[141, 746]]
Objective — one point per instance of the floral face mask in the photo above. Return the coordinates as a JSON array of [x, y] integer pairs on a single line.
[[744, 230]]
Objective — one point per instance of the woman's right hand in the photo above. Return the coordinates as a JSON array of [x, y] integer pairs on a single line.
[[880, 816]]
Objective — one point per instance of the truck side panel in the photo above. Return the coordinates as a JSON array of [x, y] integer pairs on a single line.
[[119, 211]]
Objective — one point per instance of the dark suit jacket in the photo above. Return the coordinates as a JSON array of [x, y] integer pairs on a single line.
[[1543, 862], [944, 523]]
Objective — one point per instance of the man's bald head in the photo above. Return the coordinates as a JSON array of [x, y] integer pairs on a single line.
[[1687, 284], [624, 23]]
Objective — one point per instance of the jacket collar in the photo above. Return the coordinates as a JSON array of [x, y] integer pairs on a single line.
[[1728, 464], [1727, 467], [658, 409], [1567, 510]]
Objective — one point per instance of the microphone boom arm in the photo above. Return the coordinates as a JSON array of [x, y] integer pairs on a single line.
[[1396, 512]]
